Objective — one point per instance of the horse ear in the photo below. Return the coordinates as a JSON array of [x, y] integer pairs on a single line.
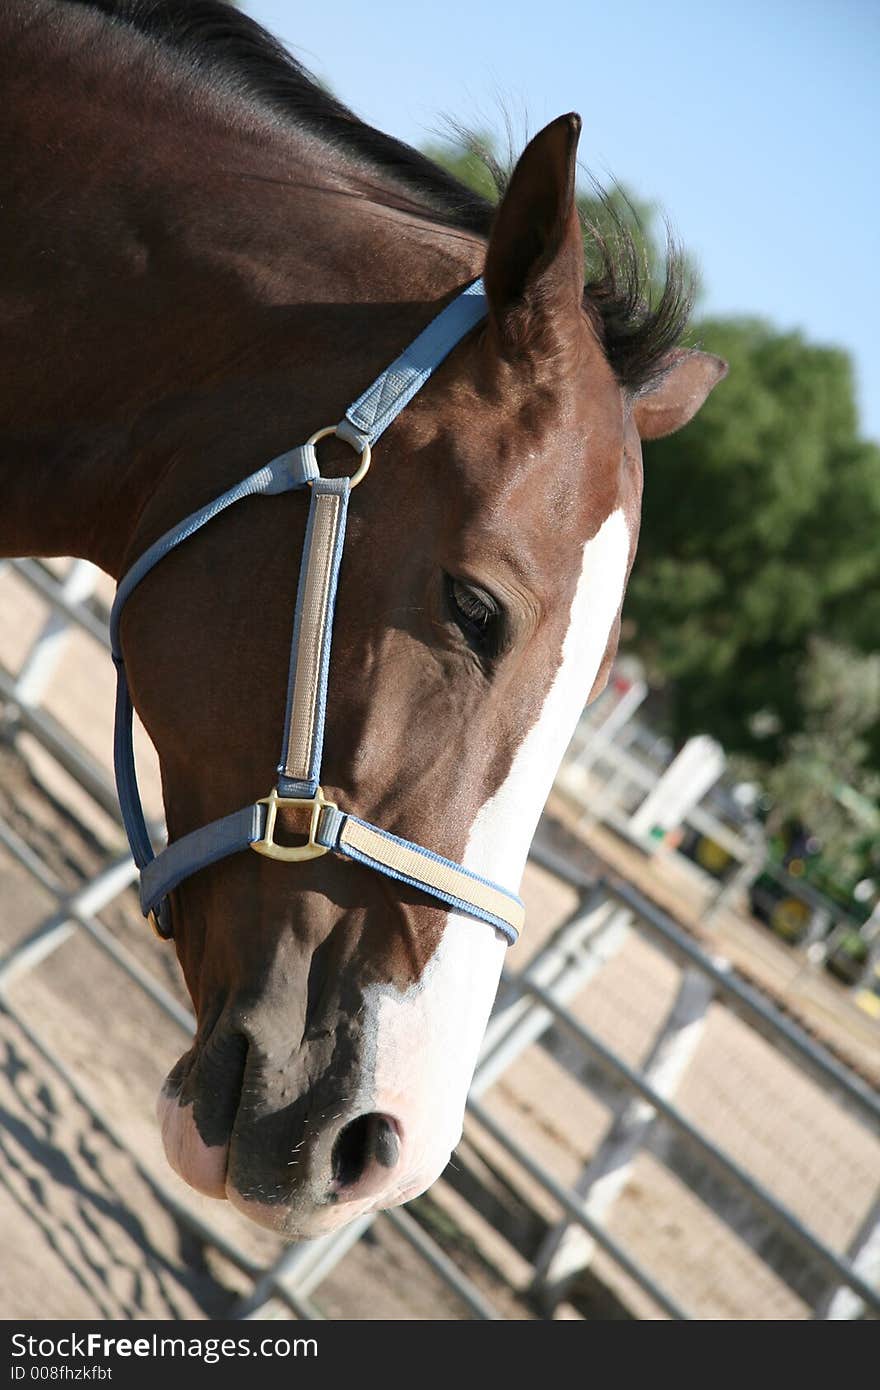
[[679, 392], [535, 259]]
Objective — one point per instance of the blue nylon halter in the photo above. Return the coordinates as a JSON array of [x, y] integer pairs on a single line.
[[331, 829]]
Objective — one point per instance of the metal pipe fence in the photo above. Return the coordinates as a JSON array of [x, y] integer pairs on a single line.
[[740, 997]]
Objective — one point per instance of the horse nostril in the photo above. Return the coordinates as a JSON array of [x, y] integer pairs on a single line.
[[386, 1141], [368, 1139]]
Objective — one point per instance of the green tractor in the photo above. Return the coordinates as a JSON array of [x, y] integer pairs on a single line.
[[803, 898]]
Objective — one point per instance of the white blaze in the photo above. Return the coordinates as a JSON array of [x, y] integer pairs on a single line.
[[502, 832], [426, 1041]]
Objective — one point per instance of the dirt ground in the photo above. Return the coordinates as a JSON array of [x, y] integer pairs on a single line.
[[88, 1208]]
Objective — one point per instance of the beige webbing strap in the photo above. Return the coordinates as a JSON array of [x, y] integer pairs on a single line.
[[409, 863], [314, 630]]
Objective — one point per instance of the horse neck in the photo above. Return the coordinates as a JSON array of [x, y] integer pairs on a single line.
[[160, 277]]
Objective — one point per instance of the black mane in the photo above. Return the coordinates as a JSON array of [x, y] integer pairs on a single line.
[[228, 47]]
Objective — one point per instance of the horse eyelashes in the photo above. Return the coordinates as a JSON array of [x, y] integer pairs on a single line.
[[476, 613]]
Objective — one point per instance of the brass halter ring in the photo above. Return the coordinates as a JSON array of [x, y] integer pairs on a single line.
[[366, 453], [153, 919]]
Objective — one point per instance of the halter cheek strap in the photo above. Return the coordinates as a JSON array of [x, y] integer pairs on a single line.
[[299, 769]]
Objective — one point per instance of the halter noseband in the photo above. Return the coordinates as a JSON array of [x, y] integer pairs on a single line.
[[299, 770]]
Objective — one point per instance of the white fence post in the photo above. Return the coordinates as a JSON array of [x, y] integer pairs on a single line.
[[568, 1250], [43, 657]]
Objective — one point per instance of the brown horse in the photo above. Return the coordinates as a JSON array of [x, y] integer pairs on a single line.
[[205, 259]]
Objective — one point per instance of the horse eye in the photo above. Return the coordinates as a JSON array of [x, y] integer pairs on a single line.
[[475, 612]]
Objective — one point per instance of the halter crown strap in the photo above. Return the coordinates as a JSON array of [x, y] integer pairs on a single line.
[[300, 766], [373, 412]]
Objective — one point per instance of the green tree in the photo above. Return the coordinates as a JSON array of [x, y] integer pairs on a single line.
[[759, 532], [473, 160], [822, 778]]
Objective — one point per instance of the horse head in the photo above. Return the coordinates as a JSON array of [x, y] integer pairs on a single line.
[[340, 1014]]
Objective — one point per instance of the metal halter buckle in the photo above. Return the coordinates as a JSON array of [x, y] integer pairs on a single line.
[[366, 453], [311, 849]]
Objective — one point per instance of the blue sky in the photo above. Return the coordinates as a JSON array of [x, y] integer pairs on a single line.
[[755, 125]]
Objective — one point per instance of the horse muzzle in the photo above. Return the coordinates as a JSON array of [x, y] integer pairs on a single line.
[[303, 1169]]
